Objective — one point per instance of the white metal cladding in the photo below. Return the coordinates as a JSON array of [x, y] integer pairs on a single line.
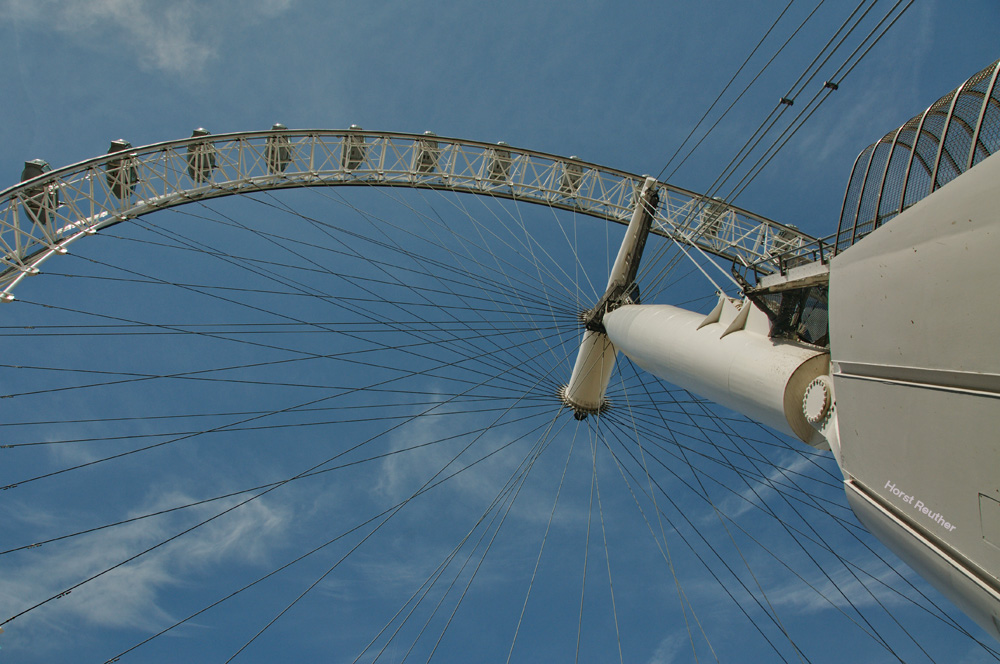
[[957, 132], [40, 216]]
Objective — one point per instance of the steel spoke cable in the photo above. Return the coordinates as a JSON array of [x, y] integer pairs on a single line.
[[389, 516], [657, 273], [472, 219], [426, 586], [788, 490], [716, 184], [311, 551], [757, 135], [264, 262], [649, 431], [461, 260], [771, 612], [607, 554], [438, 306], [767, 483], [458, 398], [132, 377], [470, 398], [198, 374], [271, 346], [341, 300], [541, 548], [732, 79], [323, 471], [570, 285], [341, 393], [269, 427], [463, 240], [696, 529], [526, 285], [622, 434], [667, 403], [437, 220], [424, 217], [534, 259], [391, 242], [509, 494], [586, 554], [748, 503], [806, 112], [312, 356], [665, 550], [280, 205], [341, 560], [780, 109], [708, 568], [647, 426], [765, 159], [800, 84], [871, 631], [528, 282], [226, 511], [663, 491], [817, 537]]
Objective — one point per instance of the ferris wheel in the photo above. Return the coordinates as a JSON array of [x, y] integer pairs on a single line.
[[365, 384]]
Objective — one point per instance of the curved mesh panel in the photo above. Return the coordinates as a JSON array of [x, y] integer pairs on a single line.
[[988, 140], [848, 216], [918, 184], [892, 190], [907, 158], [867, 211], [962, 127]]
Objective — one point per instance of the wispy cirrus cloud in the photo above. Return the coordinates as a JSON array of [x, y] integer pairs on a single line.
[[131, 596], [175, 37]]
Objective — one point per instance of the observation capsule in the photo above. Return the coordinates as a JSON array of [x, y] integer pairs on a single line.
[[278, 150], [200, 157], [42, 201], [354, 149], [499, 163], [712, 216], [121, 173], [425, 158], [569, 183]]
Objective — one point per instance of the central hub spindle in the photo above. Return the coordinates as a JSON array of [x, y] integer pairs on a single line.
[[596, 360]]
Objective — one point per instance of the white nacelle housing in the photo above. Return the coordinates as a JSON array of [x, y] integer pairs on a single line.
[[726, 357]]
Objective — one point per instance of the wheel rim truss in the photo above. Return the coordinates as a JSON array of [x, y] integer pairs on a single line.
[[42, 215]]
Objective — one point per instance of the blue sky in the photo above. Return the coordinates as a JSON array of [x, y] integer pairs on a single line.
[[619, 84]]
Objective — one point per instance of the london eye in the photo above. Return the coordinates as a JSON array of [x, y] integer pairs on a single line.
[[346, 394]]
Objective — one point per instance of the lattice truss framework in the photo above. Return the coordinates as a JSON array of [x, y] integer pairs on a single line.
[[42, 215]]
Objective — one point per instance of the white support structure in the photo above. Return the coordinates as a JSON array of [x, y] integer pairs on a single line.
[[912, 406], [726, 357], [916, 369], [596, 360]]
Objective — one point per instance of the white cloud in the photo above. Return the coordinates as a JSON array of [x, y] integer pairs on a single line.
[[786, 474], [131, 596], [672, 648], [177, 37], [841, 588]]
